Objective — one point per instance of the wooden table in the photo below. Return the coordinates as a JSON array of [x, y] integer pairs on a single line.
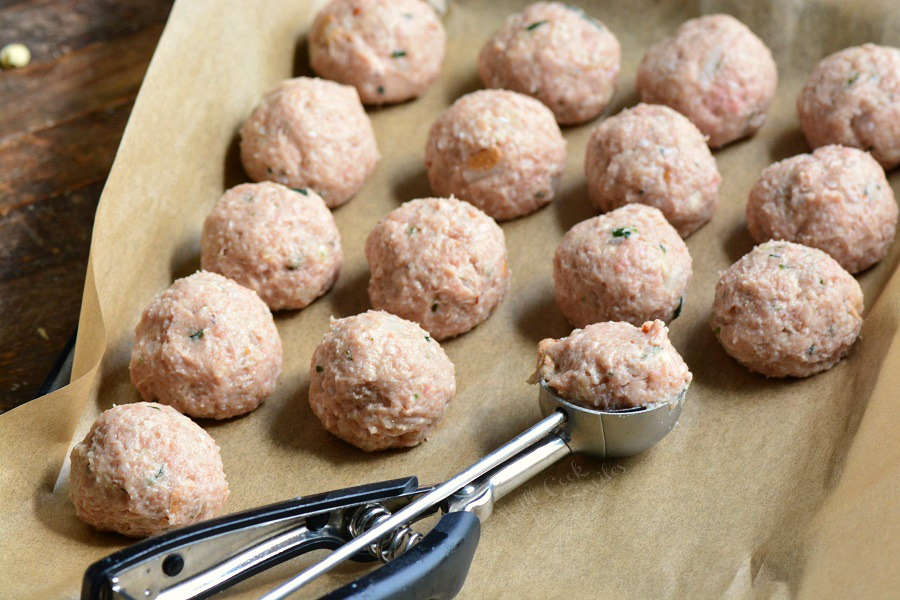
[[61, 119]]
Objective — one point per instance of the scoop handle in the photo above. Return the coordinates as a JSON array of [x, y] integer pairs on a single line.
[[434, 569], [199, 559]]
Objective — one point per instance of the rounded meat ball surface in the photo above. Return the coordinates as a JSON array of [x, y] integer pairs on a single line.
[[786, 310], [207, 347], [378, 381], [614, 366], [627, 265], [439, 262], [836, 199], [310, 133], [500, 150], [282, 243], [389, 50], [557, 54], [716, 72], [853, 98], [144, 468], [652, 155]]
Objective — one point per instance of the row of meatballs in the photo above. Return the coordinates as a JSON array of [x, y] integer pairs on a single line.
[[208, 345], [379, 381]]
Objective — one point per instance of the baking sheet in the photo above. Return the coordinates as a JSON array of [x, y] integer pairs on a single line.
[[765, 488]]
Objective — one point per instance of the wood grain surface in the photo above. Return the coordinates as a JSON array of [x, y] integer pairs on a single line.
[[61, 119]]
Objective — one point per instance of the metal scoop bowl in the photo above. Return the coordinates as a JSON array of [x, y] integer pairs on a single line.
[[613, 433]]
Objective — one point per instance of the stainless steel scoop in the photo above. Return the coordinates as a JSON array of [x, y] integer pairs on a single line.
[[565, 428], [373, 521]]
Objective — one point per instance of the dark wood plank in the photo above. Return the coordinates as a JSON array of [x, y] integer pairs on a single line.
[[53, 28], [47, 234], [89, 79], [71, 155], [44, 249], [61, 123]]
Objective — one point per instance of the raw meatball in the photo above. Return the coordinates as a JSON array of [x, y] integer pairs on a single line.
[[853, 98], [500, 150], [614, 366], [440, 262], [652, 155], [627, 265], [144, 468], [206, 346], [389, 50], [378, 381], [714, 71], [557, 54], [786, 310], [836, 199], [311, 133], [282, 243]]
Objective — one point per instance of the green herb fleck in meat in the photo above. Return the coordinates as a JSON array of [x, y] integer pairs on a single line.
[[427, 338], [811, 350], [398, 53], [663, 248], [717, 331], [380, 89], [774, 256], [347, 353], [853, 79], [319, 368], [821, 282], [623, 232], [434, 307], [411, 230], [784, 266], [535, 25], [304, 191], [197, 335], [651, 351], [156, 477], [415, 396]]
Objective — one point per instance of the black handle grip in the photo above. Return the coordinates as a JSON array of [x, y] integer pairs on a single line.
[[314, 510], [434, 569]]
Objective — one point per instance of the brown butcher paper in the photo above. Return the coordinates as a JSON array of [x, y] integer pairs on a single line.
[[765, 489]]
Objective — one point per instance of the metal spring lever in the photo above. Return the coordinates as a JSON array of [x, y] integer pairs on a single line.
[[392, 545]]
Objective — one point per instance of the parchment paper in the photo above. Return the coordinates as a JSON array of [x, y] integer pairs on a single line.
[[765, 488]]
